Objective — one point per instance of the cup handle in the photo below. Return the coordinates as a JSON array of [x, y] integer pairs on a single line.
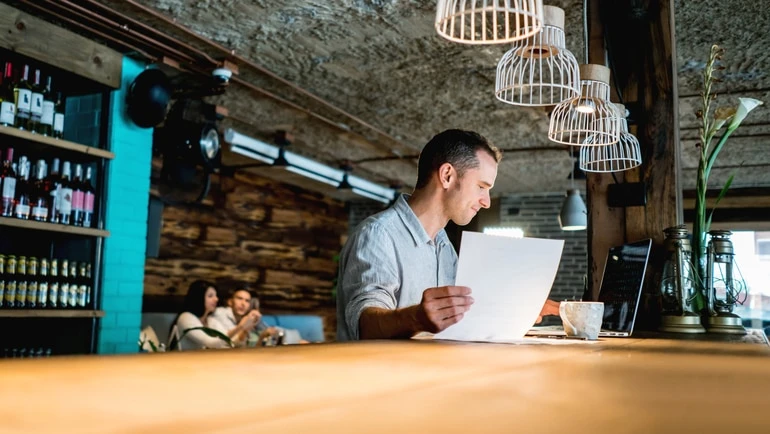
[[568, 327]]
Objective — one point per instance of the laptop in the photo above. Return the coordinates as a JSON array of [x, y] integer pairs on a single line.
[[620, 291]]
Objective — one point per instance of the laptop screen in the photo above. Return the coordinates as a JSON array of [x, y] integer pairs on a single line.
[[622, 282]]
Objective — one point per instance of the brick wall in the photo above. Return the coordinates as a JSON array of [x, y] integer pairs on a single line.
[[128, 178], [537, 215]]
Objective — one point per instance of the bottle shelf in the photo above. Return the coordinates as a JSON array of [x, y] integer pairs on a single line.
[[50, 313], [53, 227], [57, 143]]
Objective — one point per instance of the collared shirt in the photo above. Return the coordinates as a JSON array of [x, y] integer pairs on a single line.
[[388, 262]]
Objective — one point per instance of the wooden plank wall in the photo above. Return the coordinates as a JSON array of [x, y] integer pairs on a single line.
[[277, 239]]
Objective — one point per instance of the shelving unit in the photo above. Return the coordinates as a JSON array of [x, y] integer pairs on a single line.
[[50, 313], [33, 140], [53, 227]]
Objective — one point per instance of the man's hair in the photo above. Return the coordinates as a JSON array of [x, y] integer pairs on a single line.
[[456, 147], [232, 293]]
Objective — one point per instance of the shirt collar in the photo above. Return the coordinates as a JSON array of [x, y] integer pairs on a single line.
[[413, 225]]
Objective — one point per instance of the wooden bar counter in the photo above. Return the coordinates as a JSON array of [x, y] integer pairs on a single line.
[[616, 386]]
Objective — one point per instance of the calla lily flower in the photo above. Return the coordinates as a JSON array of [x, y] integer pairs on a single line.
[[721, 116], [745, 105]]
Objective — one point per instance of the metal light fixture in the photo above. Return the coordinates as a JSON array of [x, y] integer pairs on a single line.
[[539, 71], [589, 115], [725, 286], [573, 215], [625, 154], [488, 21]]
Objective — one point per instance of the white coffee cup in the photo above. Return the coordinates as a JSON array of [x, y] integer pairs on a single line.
[[582, 318]]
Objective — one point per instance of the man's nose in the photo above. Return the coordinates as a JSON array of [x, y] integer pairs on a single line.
[[485, 201]]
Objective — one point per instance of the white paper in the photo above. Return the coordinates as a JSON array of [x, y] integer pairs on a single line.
[[510, 279]]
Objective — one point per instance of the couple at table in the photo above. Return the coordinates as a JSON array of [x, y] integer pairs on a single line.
[[397, 270]]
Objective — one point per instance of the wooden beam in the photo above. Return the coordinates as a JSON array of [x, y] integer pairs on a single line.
[[46, 42]]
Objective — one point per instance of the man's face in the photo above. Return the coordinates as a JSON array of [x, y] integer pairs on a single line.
[[240, 302], [469, 193]]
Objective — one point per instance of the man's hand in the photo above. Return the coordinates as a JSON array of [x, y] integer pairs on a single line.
[[549, 308], [443, 306], [250, 320]]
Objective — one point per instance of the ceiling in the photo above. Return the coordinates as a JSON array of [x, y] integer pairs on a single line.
[[386, 82]]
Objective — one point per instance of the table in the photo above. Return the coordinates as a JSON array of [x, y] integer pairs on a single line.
[[628, 385]]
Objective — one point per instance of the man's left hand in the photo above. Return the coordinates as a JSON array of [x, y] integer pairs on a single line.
[[549, 308]]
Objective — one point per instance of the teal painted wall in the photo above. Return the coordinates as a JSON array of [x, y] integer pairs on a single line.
[[123, 256]]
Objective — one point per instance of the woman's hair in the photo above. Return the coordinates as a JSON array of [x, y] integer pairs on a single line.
[[194, 302]]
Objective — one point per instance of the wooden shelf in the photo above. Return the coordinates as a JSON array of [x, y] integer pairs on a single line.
[[53, 227], [57, 143], [50, 313]]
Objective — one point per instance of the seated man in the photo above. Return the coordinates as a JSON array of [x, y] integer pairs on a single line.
[[242, 311]]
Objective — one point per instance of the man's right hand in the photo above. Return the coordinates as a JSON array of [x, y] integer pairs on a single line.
[[443, 306]]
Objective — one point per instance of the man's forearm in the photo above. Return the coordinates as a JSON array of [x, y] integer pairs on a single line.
[[379, 323]]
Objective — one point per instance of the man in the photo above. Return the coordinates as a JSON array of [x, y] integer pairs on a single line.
[[397, 270], [242, 317]]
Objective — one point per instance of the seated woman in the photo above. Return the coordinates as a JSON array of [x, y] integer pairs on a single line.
[[199, 303]]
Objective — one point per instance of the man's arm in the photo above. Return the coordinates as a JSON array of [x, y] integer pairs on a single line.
[[440, 307]]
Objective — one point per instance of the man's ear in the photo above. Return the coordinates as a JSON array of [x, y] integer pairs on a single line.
[[446, 175]]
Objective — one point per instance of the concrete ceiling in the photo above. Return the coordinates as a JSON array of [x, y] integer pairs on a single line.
[[382, 62]]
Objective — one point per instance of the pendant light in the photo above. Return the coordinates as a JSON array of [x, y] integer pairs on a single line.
[[488, 21], [589, 115], [573, 215], [539, 70], [623, 155]]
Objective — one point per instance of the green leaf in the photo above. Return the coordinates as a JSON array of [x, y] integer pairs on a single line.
[[719, 198], [211, 333], [152, 345]]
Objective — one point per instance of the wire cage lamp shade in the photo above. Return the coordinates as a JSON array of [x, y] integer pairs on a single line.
[[488, 21], [589, 115], [539, 70], [623, 155]]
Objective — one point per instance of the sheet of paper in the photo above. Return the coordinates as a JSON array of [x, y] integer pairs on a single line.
[[510, 279]]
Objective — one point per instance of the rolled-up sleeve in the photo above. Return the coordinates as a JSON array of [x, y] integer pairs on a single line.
[[369, 275]]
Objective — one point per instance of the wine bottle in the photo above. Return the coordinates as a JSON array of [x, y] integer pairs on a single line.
[[89, 194], [8, 181], [23, 200], [8, 104], [64, 284], [32, 286], [45, 127], [40, 194], [36, 109], [21, 282], [53, 184], [22, 97], [65, 198], [82, 285], [10, 281], [2, 280], [73, 293], [78, 196], [58, 117], [42, 285], [53, 284]]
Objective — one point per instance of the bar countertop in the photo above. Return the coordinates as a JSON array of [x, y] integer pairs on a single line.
[[628, 385]]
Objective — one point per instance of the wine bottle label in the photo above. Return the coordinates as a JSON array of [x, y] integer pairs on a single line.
[[22, 211], [21, 293], [58, 122], [37, 104], [39, 213], [73, 299], [42, 293], [7, 113], [24, 101], [77, 200], [64, 294], [2, 292], [88, 202], [82, 296], [55, 198], [65, 202], [53, 293], [32, 293], [9, 187], [47, 117], [10, 293]]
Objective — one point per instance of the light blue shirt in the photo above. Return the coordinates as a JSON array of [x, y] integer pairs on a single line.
[[388, 262]]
